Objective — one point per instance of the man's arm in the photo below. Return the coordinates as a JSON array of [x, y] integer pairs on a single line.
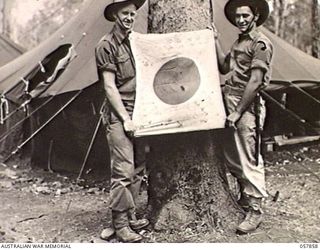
[[114, 98], [261, 64], [223, 65], [250, 92], [254, 85]]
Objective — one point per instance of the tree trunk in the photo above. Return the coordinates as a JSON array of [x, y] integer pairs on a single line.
[[188, 187], [279, 9], [315, 29]]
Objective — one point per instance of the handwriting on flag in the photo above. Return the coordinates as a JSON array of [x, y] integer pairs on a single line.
[[178, 86]]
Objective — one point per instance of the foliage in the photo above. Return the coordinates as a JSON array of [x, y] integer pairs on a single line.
[[293, 21], [44, 18]]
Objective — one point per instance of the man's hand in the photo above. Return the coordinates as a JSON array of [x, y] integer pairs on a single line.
[[129, 127], [213, 27], [232, 119]]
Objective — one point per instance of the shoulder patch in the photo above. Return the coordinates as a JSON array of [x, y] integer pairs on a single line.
[[262, 42], [262, 45]]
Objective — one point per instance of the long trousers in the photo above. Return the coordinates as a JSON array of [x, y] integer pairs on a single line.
[[127, 170], [240, 149]]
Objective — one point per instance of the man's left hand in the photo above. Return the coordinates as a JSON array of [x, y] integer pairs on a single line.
[[232, 119]]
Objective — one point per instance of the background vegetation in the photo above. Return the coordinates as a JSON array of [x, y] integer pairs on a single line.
[[29, 22]]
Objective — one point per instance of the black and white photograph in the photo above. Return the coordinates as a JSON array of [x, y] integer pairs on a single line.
[[159, 121]]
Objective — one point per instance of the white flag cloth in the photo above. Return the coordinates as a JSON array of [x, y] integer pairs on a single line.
[[178, 86]]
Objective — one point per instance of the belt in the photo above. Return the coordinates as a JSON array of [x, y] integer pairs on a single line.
[[232, 90]]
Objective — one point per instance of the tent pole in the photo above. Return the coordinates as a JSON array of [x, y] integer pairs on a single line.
[[90, 147], [291, 113], [42, 126], [49, 156]]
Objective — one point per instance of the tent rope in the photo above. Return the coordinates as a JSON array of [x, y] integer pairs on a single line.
[[43, 70], [27, 83], [288, 111], [42, 126], [22, 106], [4, 136], [305, 92]]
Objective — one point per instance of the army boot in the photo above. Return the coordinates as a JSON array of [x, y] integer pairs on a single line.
[[107, 233], [253, 217], [124, 233], [243, 202], [137, 224]]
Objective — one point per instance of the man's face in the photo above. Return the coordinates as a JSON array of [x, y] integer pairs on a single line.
[[125, 16], [245, 19]]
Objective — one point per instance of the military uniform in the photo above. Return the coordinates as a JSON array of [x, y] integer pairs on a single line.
[[250, 51], [114, 54]]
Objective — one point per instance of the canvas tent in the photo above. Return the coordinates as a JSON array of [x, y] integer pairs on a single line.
[[289, 63], [82, 33], [295, 78], [67, 59], [8, 50], [61, 71]]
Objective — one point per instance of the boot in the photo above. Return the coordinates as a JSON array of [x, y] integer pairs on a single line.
[[119, 219], [253, 218], [126, 234], [243, 202], [107, 233], [136, 224]]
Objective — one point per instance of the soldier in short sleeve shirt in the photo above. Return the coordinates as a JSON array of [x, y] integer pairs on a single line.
[[114, 54], [116, 67], [248, 65]]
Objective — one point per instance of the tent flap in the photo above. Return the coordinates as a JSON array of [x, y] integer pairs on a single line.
[[83, 32]]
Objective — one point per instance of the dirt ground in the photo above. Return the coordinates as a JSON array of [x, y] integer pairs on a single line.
[[39, 206]]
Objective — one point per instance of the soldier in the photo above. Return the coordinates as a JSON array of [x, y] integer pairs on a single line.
[[116, 67], [249, 66]]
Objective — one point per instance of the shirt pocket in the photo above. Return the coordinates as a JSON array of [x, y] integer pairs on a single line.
[[125, 68], [242, 59]]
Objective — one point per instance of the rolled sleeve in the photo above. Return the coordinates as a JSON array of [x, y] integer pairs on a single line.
[[262, 57], [262, 60], [104, 57]]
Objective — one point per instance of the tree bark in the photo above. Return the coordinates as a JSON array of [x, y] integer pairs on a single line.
[[188, 187], [315, 29]]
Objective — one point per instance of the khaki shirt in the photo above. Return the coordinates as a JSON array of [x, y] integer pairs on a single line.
[[250, 51], [113, 53]]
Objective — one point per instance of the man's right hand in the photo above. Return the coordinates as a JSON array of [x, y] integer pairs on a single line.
[[213, 27], [129, 127]]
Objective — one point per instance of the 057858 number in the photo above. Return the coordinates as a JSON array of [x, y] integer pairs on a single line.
[[309, 245]]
